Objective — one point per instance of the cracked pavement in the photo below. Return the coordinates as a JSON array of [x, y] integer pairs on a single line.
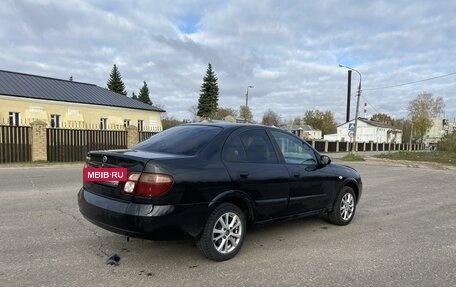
[[404, 234]]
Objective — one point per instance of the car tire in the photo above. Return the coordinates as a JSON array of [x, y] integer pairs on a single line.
[[223, 233], [344, 207]]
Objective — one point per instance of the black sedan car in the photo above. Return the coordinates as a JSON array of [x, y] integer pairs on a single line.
[[211, 181]]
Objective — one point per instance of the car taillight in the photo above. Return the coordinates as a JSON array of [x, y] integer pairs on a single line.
[[148, 184], [130, 185]]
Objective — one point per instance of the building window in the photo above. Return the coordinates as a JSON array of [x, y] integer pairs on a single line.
[[103, 124], [55, 121], [14, 118], [140, 125], [126, 123]]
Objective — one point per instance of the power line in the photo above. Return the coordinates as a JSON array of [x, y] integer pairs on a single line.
[[409, 83]]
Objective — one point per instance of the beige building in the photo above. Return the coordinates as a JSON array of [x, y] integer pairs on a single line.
[[68, 104], [305, 132], [440, 128]]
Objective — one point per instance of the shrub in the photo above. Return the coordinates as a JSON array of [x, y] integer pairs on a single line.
[[448, 143]]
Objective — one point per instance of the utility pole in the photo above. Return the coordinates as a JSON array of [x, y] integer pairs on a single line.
[[355, 132], [349, 81], [247, 96]]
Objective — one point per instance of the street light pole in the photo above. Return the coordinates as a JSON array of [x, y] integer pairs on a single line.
[[355, 148], [247, 96]]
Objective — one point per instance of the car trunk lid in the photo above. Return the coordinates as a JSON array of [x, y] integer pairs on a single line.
[[133, 161]]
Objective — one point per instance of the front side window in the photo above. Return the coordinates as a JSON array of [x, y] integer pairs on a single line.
[[293, 150], [103, 124], [14, 118], [258, 147], [55, 121]]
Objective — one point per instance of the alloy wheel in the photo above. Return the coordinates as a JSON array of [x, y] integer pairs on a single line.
[[347, 206], [227, 232]]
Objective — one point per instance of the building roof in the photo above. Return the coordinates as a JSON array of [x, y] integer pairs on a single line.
[[44, 88], [372, 123]]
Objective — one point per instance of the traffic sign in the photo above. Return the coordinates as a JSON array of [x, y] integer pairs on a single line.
[[351, 133], [351, 126]]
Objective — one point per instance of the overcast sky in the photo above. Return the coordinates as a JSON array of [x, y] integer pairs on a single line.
[[289, 50]]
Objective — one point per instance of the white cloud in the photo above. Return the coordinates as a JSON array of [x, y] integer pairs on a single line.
[[289, 50]]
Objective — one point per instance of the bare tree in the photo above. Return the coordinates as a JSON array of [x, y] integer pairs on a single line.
[[246, 114], [194, 113], [271, 118], [222, 113]]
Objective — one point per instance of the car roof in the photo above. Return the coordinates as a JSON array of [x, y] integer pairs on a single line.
[[224, 124], [233, 126]]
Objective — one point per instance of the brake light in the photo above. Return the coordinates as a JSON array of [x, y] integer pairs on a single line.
[[148, 184]]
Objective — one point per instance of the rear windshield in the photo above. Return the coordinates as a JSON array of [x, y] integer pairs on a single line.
[[185, 140]]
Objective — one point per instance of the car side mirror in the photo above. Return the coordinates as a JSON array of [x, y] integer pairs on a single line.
[[325, 160]]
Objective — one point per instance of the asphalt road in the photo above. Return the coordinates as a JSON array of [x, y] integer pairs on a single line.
[[404, 234]]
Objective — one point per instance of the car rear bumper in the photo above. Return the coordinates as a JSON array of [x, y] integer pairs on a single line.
[[143, 220]]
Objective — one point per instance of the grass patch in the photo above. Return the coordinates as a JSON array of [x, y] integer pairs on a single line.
[[442, 157], [352, 157]]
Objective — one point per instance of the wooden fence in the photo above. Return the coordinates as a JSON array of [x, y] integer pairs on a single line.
[[15, 144]]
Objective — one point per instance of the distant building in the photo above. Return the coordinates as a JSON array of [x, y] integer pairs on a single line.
[[304, 131], [439, 129], [68, 104], [368, 131]]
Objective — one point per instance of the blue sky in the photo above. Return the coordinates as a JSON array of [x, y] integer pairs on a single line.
[[289, 50]]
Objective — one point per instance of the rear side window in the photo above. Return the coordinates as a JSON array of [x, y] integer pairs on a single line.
[[258, 147], [234, 150], [185, 140]]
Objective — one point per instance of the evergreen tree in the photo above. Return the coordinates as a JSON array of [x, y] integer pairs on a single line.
[[134, 96], [115, 83], [144, 94], [208, 100]]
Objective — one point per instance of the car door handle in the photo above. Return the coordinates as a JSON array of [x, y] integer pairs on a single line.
[[244, 174], [296, 174]]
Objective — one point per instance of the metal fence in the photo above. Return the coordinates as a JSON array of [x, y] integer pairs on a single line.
[[15, 144], [73, 145], [66, 145], [325, 146]]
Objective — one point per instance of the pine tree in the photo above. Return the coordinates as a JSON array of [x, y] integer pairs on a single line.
[[208, 100], [144, 94], [134, 96], [115, 83]]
